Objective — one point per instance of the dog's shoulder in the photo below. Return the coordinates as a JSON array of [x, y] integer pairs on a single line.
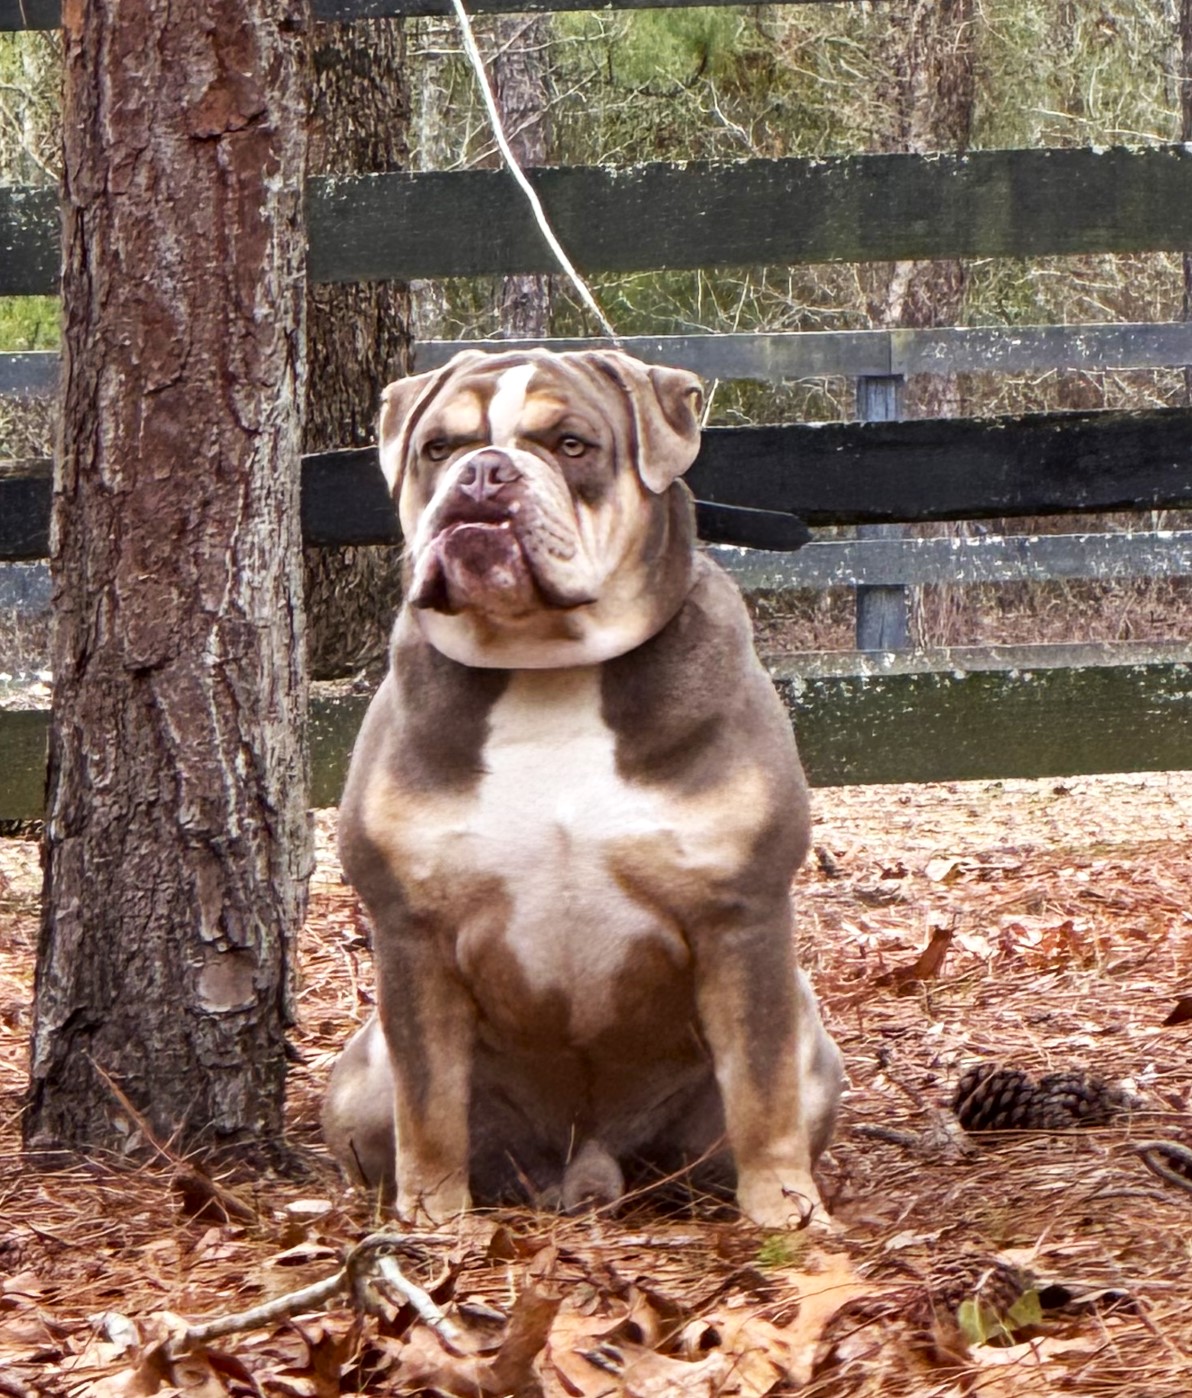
[[697, 682]]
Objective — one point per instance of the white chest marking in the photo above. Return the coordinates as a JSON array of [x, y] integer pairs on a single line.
[[550, 805]]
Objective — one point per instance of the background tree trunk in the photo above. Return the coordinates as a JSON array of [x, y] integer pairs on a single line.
[[521, 85], [358, 336], [1184, 70], [930, 92], [177, 839]]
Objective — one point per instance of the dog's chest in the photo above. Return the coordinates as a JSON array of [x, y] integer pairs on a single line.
[[548, 820]]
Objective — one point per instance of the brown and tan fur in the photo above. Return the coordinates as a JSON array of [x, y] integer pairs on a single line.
[[573, 812]]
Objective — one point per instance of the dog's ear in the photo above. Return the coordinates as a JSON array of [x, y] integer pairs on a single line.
[[398, 402], [402, 404], [666, 406]]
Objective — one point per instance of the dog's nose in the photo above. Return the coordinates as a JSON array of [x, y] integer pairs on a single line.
[[486, 473]]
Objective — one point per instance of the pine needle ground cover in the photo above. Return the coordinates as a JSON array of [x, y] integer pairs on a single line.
[[1039, 928]]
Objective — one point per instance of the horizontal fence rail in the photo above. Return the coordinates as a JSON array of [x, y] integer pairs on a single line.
[[33, 374], [949, 715], [961, 715], [805, 354], [820, 474], [870, 563], [959, 561], [1017, 203], [46, 14]]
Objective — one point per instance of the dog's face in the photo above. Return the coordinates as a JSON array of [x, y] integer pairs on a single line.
[[537, 495]]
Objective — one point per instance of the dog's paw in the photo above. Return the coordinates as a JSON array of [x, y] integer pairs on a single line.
[[432, 1207], [793, 1206], [591, 1180]]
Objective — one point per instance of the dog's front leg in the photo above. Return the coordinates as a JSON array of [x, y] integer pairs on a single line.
[[428, 1021], [776, 1069]]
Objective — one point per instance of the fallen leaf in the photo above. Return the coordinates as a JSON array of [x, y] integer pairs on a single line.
[[926, 965], [1182, 1013], [821, 1295]]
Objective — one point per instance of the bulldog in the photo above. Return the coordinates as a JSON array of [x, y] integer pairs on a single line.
[[573, 813]]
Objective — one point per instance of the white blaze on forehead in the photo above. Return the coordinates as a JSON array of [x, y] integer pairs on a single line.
[[508, 403]]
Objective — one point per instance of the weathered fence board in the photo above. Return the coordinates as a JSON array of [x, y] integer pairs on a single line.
[[25, 510], [25, 587], [811, 353], [46, 14], [823, 474], [1017, 203], [1015, 712], [996, 558], [23, 735], [938, 716], [28, 241], [892, 472], [34, 374], [880, 353]]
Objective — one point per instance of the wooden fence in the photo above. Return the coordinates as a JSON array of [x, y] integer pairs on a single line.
[[878, 717]]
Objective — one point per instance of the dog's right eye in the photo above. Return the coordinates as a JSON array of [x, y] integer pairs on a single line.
[[437, 449]]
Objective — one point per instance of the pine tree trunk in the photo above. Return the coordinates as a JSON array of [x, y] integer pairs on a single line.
[[358, 336], [177, 845]]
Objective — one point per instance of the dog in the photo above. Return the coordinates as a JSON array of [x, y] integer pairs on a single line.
[[573, 813]]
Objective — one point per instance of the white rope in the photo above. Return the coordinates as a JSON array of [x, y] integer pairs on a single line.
[[494, 116]]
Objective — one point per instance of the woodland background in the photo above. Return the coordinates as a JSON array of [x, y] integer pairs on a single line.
[[805, 80]]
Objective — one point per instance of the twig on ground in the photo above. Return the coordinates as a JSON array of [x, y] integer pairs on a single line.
[[189, 1177], [292, 1303], [369, 1262], [392, 1278], [907, 1139], [1153, 1155]]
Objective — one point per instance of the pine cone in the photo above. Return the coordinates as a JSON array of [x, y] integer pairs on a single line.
[[995, 1283], [1075, 1098], [990, 1098]]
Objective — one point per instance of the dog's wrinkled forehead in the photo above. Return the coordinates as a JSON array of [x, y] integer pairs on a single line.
[[495, 405], [493, 399]]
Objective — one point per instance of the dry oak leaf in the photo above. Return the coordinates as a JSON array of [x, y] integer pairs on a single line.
[[735, 1352], [821, 1294], [424, 1363]]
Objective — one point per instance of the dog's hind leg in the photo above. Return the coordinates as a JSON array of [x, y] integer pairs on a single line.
[[358, 1111]]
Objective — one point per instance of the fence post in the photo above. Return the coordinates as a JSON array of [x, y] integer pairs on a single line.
[[882, 612]]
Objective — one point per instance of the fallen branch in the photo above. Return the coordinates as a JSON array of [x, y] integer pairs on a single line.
[[292, 1303], [1155, 1155], [369, 1262]]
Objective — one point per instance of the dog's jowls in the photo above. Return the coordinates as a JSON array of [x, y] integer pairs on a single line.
[[573, 813]]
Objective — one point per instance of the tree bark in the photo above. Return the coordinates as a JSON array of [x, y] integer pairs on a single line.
[[521, 86], [177, 838], [930, 94], [358, 336], [1184, 70]]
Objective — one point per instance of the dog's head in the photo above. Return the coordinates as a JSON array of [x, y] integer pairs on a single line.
[[540, 500]]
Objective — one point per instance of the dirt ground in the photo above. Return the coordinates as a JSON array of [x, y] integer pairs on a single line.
[[1008, 1265]]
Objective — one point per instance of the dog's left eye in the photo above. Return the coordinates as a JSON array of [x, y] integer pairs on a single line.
[[572, 446]]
